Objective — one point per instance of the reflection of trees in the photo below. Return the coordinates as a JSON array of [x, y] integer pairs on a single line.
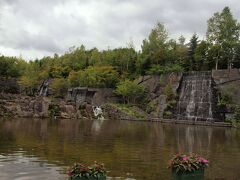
[[6, 135], [124, 146]]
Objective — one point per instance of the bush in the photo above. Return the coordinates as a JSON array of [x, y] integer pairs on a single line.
[[237, 113], [235, 119], [131, 91], [225, 97], [53, 110], [168, 91]]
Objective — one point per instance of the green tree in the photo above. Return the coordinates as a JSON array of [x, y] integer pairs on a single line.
[[59, 87], [154, 48], [131, 91], [200, 56], [30, 80], [191, 52], [181, 40], [11, 66], [223, 35], [98, 77], [74, 79]]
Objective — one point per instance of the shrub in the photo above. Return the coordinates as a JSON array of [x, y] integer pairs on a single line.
[[131, 91], [168, 91], [226, 95], [53, 110], [236, 115]]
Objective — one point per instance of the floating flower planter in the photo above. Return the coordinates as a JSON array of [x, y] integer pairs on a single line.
[[188, 167], [82, 172]]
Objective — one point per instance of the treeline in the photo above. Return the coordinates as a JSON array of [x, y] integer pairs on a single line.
[[159, 54]]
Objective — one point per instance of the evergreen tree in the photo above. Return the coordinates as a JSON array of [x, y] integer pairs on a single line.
[[191, 52]]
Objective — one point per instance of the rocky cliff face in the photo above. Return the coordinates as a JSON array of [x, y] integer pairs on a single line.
[[23, 106], [156, 85]]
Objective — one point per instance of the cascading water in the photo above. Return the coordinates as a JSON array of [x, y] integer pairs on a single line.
[[44, 88], [196, 99]]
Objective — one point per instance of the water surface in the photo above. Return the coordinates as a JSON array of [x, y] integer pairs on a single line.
[[43, 149]]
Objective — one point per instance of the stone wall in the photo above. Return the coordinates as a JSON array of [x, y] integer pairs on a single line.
[[228, 81], [92, 96], [225, 75]]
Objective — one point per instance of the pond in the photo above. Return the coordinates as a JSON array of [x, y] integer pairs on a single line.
[[43, 149]]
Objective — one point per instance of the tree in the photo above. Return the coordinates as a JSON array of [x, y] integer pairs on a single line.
[[130, 91], [223, 35], [200, 56], [59, 86], [181, 40], [98, 77], [11, 66], [154, 48], [191, 52], [181, 54]]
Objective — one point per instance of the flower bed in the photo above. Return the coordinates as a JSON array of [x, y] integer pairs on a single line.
[[188, 167], [83, 172]]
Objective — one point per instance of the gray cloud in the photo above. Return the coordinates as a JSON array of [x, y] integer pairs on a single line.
[[36, 28]]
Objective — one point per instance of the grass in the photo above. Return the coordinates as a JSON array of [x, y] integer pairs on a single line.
[[129, 110]]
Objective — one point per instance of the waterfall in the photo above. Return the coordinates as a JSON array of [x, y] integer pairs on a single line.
[[196, 97], [44, 88]]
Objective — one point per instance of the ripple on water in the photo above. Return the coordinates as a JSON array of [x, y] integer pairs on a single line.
[[43, 149], [20, 167]]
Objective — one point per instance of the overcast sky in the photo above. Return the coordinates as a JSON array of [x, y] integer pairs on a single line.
[[37, 28]]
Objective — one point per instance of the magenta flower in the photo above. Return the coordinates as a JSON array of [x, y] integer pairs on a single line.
[[202, 160], [184, 158], [205, 161]]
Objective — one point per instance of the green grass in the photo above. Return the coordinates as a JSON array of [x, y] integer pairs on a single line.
[[129, 109]]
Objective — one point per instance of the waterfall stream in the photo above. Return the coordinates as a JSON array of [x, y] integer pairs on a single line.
[[44, 88], [196, 97]]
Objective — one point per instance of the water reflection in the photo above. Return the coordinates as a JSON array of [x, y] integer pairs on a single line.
[[17, 166], [137, 150]]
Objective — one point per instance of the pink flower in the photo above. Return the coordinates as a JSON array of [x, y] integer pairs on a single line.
[[202, 160], [205, 161], [184, 158]]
